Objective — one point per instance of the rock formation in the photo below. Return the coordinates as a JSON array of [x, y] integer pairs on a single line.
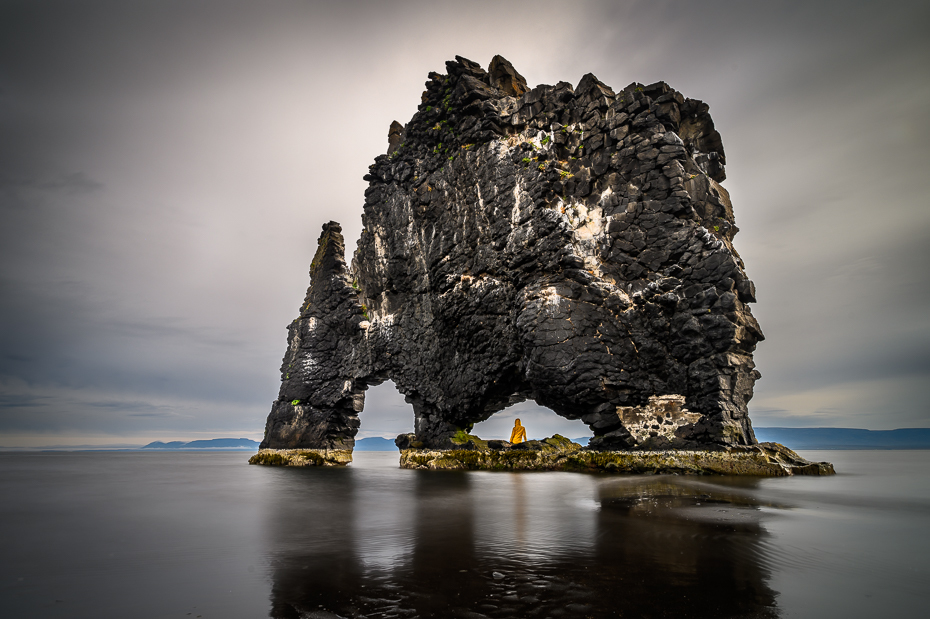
[[571, 246]]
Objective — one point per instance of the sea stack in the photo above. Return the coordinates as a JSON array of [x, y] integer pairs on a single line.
[[567, 245]]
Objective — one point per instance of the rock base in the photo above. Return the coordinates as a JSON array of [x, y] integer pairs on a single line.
[[763, 460], [302, 457]]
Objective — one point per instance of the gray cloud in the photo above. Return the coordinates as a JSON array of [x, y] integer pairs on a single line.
[[21, 401], [75, 182], [166, 168]]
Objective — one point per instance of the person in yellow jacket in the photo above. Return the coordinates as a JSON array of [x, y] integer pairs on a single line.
[[519, 433]]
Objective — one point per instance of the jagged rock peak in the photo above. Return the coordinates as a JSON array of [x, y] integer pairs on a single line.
[[395, 133], [505, 78], [571, 246]]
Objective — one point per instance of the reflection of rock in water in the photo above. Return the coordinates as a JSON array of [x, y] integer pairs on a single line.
[[660, 547], [444, 569], [696, 545], [313, 557]]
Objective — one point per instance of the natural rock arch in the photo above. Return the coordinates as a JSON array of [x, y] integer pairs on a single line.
[[569, 246]]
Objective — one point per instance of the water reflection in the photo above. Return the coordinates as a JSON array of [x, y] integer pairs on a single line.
[[366, 543], [697, 545], [313, 543], [519, 513]]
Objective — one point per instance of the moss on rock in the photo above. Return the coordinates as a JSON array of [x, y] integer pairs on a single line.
[[302, 457], [464, 439], [558, 453]]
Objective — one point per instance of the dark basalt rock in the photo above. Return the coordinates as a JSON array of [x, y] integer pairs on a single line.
[[571, 246]]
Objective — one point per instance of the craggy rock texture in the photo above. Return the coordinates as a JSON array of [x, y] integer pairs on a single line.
[[571, 246], [560, 454]]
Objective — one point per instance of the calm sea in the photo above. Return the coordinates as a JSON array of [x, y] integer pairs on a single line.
[[148, 535]]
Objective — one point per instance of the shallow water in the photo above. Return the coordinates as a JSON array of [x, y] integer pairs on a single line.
[[132, 534]]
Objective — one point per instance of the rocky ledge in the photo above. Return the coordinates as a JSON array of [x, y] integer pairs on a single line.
[[558, 453], [302, 457]]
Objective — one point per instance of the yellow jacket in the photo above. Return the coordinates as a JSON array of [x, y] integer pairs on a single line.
[[519, 433]]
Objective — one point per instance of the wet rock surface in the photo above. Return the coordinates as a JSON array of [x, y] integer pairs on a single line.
[[567, 245], [302, 457], [558, 453]]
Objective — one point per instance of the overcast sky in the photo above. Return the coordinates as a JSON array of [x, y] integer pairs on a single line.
[[165, 168]]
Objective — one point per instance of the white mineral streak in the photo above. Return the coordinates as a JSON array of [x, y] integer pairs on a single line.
[[412, 239], [379, 247], [588, 224], [513, 141], [466, 283], [418, 246], [380, 326], [537, 141], [709, 239], [518, 192], [385, 322], [499, 149], [551, 298], [661, 417]]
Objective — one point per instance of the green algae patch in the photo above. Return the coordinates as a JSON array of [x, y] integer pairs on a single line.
[[269, 459], [513, 459], [302, 457], [544, 455], [560, 454], [463, 438], [560, 442], [471, 459]]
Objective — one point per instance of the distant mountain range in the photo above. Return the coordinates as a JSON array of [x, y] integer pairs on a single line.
[[846, 438], [375, 443], [795, 438], [213, 443]]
